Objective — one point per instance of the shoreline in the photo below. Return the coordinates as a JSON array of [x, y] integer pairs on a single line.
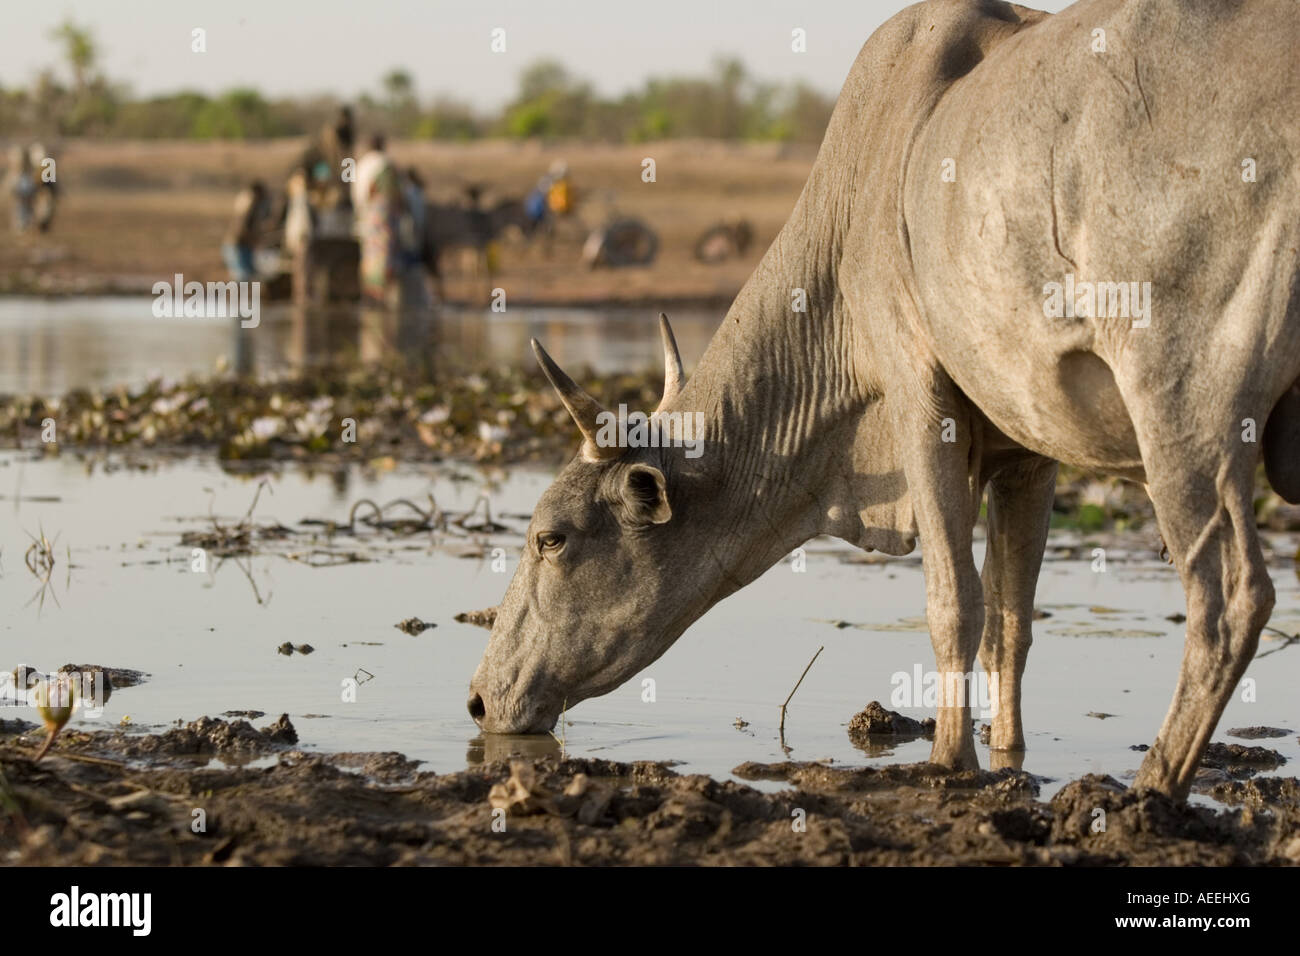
[[107, 287], [206, 794]]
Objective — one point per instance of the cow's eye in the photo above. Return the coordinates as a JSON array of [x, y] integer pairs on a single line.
[[549, 541]]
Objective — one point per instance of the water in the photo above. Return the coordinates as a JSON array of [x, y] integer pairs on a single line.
[[48, 346], [122, 593], [130, 599]]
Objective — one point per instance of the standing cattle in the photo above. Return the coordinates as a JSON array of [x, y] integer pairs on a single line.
[[1026, 239]]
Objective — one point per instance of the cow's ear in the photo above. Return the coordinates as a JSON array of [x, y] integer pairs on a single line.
[[645, 495]]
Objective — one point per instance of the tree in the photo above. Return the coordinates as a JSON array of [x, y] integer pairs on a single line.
[[731, 80], [79, 50], [400, 88], [550, 103], [542, 78]]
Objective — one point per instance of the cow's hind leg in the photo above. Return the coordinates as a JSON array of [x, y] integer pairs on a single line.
[[1020, 498], [1202, 493]]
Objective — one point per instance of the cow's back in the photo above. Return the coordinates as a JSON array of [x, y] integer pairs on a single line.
[[1154, 151]]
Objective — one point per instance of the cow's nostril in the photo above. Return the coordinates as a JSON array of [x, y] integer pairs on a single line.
[[476, 708]]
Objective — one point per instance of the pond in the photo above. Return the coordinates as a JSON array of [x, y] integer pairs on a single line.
[[48, 346], [123, 593]]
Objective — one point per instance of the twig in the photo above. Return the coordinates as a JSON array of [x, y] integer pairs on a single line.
[[487, 524], [352, 515], [1287, 641], [425, 516], [256, 494], [86, 758], [796, 687]]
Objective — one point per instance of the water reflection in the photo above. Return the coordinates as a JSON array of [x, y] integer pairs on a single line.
[[48, 347], [487, 748]]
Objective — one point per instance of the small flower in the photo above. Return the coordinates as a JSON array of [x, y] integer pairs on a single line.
[[266, 427], [54, 699], [492, 433]]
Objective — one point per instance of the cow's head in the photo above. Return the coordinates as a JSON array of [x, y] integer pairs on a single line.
[[625, 550]]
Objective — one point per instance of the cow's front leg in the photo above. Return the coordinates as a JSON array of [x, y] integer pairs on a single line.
[[945, 497], [1019, 512]]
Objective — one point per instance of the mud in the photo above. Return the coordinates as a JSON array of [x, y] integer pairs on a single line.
[[288, 649], [1257, 733], [1239, 760], [218, 793], [875, 721], [485, 618]]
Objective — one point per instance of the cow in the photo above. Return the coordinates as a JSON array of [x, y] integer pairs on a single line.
[[903, 349]]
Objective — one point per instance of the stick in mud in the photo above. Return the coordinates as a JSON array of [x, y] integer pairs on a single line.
[[796, 687]]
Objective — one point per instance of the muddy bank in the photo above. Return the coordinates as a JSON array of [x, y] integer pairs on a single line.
[[217, 792]]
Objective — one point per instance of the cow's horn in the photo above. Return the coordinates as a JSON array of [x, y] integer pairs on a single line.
[[584, 409], [673, 377]]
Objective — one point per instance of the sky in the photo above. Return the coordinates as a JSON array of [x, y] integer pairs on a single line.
[[343, 47]]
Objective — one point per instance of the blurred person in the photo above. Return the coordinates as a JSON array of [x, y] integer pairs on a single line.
[[553, 194], [22, 184], [559, 196], [414, 215], [298, 219], [333, 145], [372, 160], [551, 199], [43, 201], [413, 239], [329, 195], [251, 209], [377, 198]]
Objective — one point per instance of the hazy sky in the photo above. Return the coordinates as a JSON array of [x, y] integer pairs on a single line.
[[344, 46]]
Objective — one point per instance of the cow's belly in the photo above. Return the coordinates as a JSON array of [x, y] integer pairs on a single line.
[[1054, 400]]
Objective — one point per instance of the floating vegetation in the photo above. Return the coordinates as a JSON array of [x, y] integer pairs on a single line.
[[288, 649], [485, 618], [345, 412]]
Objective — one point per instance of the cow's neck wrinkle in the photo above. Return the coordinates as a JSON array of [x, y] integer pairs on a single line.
[[779, 397]]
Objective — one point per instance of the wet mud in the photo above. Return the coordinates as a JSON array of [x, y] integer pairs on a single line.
[[218, 792]]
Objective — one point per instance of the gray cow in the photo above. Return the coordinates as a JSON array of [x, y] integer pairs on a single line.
[[1026, 239]]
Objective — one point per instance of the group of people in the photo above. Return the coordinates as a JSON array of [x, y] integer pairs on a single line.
[[331, 193], [32, 183]]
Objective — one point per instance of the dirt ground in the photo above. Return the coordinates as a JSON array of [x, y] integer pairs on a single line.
[[131, 214], [225, 793]]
